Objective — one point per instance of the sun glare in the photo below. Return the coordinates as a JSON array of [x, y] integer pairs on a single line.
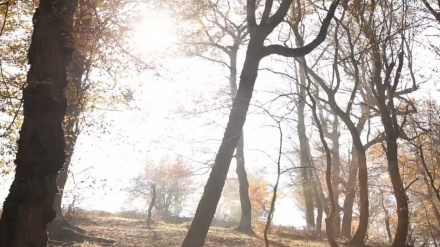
[[154, 33]]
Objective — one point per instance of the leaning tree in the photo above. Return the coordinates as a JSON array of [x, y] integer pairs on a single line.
[[256, 51]]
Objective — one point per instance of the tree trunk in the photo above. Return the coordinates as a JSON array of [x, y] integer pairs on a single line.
[[351, 183], [306, 180], [328, 177], [336, 167], [206, 209], [304, 152], [399, 192], [152, 203], [318, 225], [384, 97], [319, 197], [245, 224], [40, 155], [256, 51], [387, 218], [361, 232], [349, 197], [324, 201]]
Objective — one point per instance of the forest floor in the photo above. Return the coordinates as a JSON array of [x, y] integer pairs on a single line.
[[127, 232]]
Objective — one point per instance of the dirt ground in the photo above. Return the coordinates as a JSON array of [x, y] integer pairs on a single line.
[[134, 233]]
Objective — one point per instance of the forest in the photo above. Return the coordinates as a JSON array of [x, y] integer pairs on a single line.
[[219, 123]]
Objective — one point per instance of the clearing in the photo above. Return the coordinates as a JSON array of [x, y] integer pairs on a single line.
[[128, 232]]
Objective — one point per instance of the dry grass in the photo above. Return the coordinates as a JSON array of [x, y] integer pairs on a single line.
[[134, 233]]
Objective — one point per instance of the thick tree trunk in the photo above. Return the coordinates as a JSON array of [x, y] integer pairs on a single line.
[[245, 224], [40, 155], [399, 192], [361, 232], [351, 183], [152, 203], [206, 209]]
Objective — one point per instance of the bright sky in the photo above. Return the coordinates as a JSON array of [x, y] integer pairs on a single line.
[[154, 129]]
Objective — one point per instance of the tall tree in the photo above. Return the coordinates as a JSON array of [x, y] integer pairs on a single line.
[[329, 221], [306, 172], [387, 64], [40, 155], [256, 51], [344, 115], [219, 41]]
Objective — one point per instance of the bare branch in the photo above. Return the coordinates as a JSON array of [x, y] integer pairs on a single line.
[[301, 51]]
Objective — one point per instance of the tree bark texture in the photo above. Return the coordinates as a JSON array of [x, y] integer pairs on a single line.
[[28, 207]]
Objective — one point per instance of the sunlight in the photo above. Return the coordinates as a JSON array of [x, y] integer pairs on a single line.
[[154, 32]]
